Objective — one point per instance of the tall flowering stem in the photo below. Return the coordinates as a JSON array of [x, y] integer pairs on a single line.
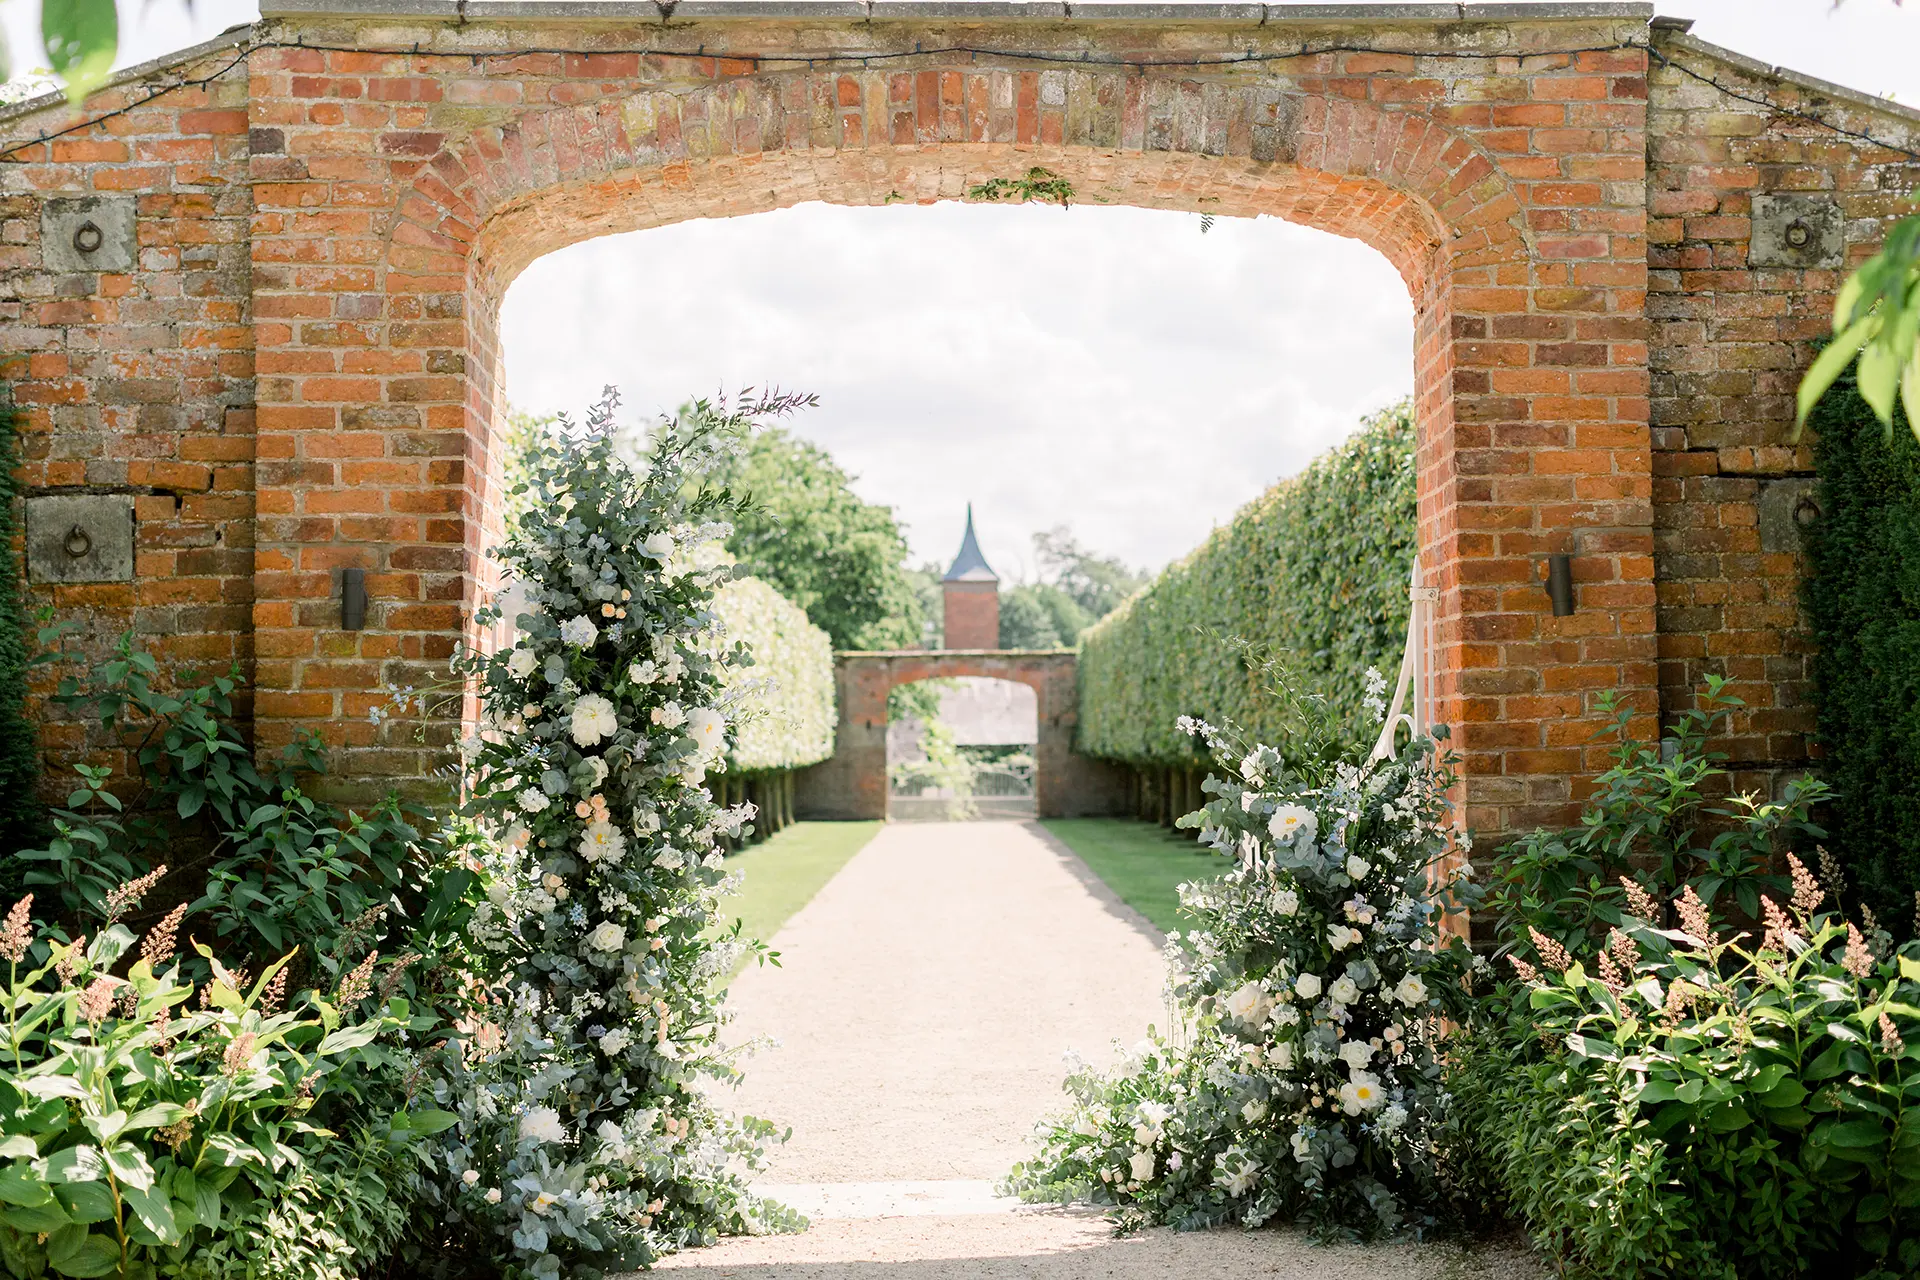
[[584, 1144]]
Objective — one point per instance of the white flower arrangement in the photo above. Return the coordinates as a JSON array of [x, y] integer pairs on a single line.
[[1308, 1088], [583, 1107]]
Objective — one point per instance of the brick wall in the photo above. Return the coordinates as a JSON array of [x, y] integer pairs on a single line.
[[344, 216]]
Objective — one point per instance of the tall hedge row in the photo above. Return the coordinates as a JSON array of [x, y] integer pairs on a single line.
[[1314, 569], [1862, 603], [789, 725], [21, 814]]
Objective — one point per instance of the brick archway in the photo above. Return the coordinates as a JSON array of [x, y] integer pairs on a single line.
[[853, 783], [381, 254]]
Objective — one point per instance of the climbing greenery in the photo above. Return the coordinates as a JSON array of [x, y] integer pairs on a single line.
[[786, 716], [21, 814], [1315, 570], [1863, 609], [1035, 186]]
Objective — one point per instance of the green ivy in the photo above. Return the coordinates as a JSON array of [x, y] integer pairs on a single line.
[[1315, 569], [1863, 608], [22, 817]]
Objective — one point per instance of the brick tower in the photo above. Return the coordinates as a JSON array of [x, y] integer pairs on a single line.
[[972, 597]]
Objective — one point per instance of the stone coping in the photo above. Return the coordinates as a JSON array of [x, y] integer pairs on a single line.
[[1066, 11]]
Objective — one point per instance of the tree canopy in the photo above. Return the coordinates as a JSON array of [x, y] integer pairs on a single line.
[[1077, 588]]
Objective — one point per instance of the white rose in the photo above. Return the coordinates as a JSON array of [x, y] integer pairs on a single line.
[[1286, 902], [579, 631], [1357, 867], [1307, 985], [1339, 937], [1247, 1003], [707, 727], [1356, 1054], [615, 1042], [542, 1124], [593, 720], [1292, 820], [1084, 1126], [1343, 991], [607, 936], [533, 799], [1141, 1165], [1411, 990], [470, 1177], [1361, 1093], [602, 842], [521, 662], [493, 1195], [1281, 1055], [659, 546]]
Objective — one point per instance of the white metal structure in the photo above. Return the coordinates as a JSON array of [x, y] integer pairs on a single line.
[[1411, 690]]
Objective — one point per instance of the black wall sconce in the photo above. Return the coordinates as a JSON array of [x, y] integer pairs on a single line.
[[1560, 584], [353, 599]]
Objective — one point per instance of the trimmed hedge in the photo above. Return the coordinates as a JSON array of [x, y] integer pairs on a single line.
[[791, 725], [1863, 608], [1314, 570]]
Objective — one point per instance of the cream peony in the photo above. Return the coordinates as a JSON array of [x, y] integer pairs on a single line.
[[708, 728], [1281, 1055], [607, 936], [1292, 821], [1411, 990], [593, 720], [579, 631], [1141, 1165], [533, 799], [521, 662], [642, 672], [602, 842], [669, 716], [659, 546], [542, 1124], [1254, 1112], [1286, 902]]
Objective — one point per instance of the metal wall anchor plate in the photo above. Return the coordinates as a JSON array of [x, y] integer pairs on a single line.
[[80, 538], [88, 233], [1805, 231]]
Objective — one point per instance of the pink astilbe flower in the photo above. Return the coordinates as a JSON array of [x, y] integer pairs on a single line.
[[1639, 902], [16, 935], [1858, 961], [1526, 971], [1890, 1037], [354, 987], [1780, 936], [1552, 954], [1679, 1000], [234, 1061], [1807, 892], [158, 946], [1830, 870], [123, 897], [96, 1002], [276, 992], [1625, 950], [70, 962], [1694, 920], [1610, 976]]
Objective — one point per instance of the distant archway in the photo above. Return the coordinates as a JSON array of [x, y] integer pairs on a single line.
[[853, 783]]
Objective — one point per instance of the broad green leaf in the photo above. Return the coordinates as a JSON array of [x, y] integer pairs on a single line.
[[76, 1164], [107, 1127], [129, 1165], [1854, 1133], [99, 1255], [65, 1242], [20, 1185], [154, 1209], [18, 1146], [35, 1218], [430, 1122], [349, 1038], [86, 1201], [1829, 365]]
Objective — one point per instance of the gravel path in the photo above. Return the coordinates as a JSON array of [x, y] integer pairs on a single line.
[[926, 997]]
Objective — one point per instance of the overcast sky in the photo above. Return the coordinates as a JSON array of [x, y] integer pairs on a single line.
[[1113, 370]]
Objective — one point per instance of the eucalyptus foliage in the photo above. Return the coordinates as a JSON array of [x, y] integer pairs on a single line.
[[1315, 570], [585, 1142], [1309, 1087], [787, 715]]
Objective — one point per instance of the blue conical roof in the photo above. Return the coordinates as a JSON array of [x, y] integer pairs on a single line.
[[970, 565]]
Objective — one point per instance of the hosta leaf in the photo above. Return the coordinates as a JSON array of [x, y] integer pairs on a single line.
[[98, 1255]]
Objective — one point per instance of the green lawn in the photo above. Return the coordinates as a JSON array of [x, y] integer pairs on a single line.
[[785, 871], [1141, 862]]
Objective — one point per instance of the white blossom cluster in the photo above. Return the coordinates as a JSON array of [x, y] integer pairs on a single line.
[[585, 1142], [1309, 1087]]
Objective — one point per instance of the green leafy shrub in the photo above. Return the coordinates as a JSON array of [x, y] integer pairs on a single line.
[[1308, 1089], [1660, 819], [1316, 570], [1697, 1106], [1862, 603], [145, 1137]]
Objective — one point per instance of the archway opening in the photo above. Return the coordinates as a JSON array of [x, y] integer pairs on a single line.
[[962, 748]]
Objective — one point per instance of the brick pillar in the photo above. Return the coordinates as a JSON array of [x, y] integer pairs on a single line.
[[973, 615]]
